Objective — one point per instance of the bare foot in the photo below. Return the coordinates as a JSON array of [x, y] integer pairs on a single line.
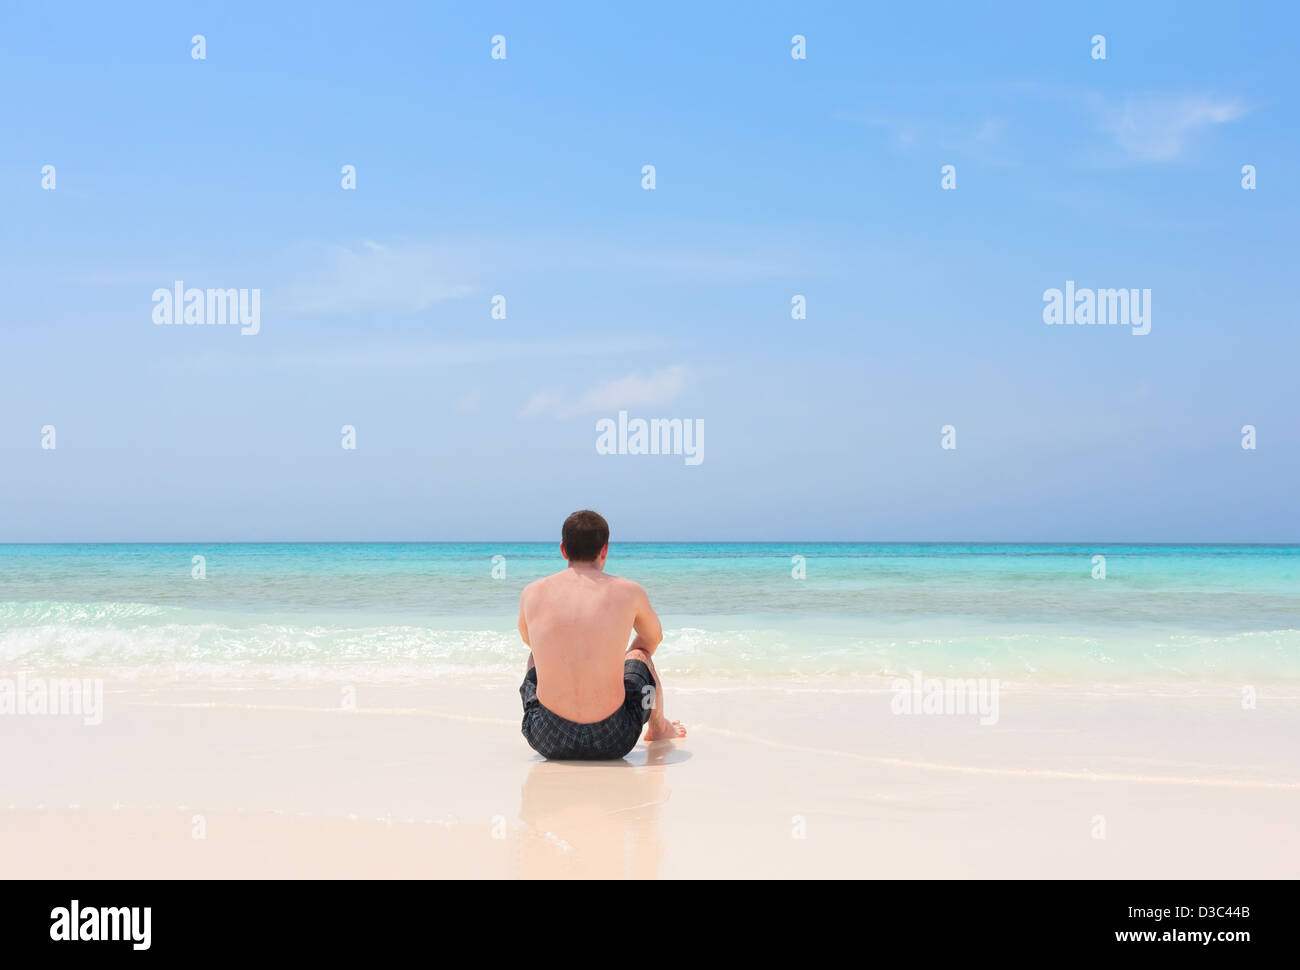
[[664, 730]]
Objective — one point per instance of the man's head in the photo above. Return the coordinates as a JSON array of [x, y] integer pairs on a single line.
[[585, 538]]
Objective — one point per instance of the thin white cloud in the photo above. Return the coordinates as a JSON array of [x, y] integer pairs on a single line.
[[470, 402], [394, 354], [539, 404], [368, 276], [1158, 129], [982, 138], [1148, 128], [380, 278], [623, 393]]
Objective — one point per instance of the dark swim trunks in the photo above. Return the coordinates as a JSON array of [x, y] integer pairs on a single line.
[[558, 738]]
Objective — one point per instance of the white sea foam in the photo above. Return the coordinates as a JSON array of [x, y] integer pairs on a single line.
[[145, 640]]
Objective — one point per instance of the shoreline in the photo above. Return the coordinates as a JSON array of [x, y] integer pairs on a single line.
[[435, 780]]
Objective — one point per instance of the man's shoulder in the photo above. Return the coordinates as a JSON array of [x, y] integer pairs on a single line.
[[616, 585], [628, 587], [539, 585]]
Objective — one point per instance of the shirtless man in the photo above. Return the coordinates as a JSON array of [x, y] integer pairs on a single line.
[[587, 693]]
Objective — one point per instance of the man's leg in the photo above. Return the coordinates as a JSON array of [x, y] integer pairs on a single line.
[[658, 728]]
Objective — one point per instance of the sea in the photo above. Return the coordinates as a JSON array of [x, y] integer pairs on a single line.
[[825, 614]]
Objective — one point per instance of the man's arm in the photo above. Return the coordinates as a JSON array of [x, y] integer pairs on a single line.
[[649, 631], [523, 631]]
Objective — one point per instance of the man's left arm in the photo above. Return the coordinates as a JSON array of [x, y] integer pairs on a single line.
[[649, 631], [523, 634]]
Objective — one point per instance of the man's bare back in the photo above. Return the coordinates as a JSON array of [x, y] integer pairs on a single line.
[[577, 623]]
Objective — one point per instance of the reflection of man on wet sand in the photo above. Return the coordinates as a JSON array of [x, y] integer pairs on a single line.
[[587, 694], [589, 821]]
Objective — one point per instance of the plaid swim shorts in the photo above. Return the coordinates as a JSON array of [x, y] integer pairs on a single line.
[[555, 737]]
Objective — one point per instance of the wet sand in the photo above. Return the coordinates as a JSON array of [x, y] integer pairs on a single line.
[[429, 780]]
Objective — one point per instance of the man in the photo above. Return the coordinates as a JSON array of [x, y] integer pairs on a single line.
[[587, 693]]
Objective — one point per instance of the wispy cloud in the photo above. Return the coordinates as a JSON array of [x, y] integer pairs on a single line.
[[319, 281], [380, 278], [982, 137], [1158, 129], [1146, 128], [631, 391], [419, 354]]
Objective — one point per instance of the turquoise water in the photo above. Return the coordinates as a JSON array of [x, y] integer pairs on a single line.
[[1034, 613]]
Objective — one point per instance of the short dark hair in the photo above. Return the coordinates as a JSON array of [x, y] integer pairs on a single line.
[[584, 534]]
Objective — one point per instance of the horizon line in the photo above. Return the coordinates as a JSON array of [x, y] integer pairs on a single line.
[[659, 542]]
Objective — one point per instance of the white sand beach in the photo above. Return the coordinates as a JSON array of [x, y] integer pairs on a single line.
[[433, 779]]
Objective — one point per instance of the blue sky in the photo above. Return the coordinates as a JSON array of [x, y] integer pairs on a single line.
[[775, 177]]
